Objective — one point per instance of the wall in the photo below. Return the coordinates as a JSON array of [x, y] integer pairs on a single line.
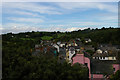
[[79, 58], [111, 58], [116, 66], [70, 55], [97, 77]]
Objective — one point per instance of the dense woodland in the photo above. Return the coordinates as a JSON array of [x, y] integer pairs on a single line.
[[19, 63]]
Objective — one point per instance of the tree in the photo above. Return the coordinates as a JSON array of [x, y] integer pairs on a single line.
[[115, 76]]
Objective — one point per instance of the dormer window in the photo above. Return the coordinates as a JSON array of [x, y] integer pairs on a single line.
[[114, 69], [103, 57], [86, 64]]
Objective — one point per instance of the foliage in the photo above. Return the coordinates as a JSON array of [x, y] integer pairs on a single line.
[[115, 76], [90, 52], [46, 38], [19, 63]]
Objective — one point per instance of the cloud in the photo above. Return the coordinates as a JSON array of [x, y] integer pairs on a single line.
[[109, 18], [16, 28], [60, 0], [58, 8], [75, 28], [89, 5], [1, 28], [32, 7], [25, 13], [100, 24], [51, 16], [28, 20]]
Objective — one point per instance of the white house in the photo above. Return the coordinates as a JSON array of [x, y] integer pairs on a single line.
[[71, 53], [63, 44], [56, 46], [105, 58], [101, 58], [88, 40], [99, 51], [78, 39], [59, 43]]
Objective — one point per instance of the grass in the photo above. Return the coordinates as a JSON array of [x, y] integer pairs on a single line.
[[46, 38], [27, 38]]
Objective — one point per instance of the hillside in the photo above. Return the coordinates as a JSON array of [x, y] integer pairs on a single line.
[[103, 35], [18, 62]]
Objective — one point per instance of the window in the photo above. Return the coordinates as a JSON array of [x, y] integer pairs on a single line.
[[96, 57], [86, 64], [103, 57], [91, 76], [114, 69]]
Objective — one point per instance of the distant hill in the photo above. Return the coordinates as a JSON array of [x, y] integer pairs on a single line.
[[103, 35]]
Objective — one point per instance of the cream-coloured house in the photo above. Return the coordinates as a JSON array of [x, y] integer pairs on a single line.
[[99, 51], [69, 53], [104, 56], [112, 58]]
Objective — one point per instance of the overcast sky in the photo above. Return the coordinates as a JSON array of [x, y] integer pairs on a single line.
[[51, 16]]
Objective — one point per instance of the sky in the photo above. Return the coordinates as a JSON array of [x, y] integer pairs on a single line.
[[57, 16]]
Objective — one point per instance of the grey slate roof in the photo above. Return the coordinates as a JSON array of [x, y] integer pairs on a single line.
[[101, 67]]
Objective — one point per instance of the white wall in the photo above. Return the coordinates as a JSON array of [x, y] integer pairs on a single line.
[[70, 55]]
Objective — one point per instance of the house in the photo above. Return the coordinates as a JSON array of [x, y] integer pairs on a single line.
[[37, 47], [99, 51], [56, 46], [87, 40], [77, 48], [72, 43], [89, 47], [58, 43], [12, 36], [104, 55], [41, 42], [116, 67], [69, 53], [62, 45], [46, 49], [106, 52], [102, 69], [62, 55], [106, 47], [79, 43], [26, 35], [80, 58], [71, 50], [36, 53], [97, 68], [78, 39]]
